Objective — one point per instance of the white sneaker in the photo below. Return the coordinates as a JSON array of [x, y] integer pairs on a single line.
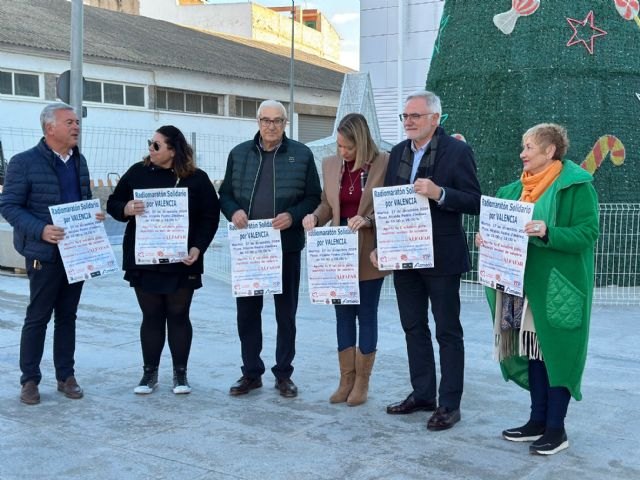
[[149, 381], [180, 383]]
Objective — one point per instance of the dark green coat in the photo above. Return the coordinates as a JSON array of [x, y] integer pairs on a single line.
[[296, 185], [558, 278]]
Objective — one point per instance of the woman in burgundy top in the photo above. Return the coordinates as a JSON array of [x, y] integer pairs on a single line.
[[347, 199]]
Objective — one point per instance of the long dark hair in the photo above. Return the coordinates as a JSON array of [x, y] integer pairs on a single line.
[[183, 163]]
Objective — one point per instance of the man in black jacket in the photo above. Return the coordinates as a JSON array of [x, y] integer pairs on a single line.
[[444, 170], [271, 177]]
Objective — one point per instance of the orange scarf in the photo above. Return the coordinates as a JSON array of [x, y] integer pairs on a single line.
[[533, 186]]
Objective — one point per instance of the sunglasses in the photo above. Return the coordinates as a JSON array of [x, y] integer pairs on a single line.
[[156, 146]]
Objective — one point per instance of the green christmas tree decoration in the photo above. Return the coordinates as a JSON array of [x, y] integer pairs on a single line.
[[502, 66]]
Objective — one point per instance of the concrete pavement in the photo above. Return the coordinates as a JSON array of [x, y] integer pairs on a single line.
[[114, 434]]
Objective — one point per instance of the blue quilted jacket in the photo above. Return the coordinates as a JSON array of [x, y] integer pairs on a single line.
[[31, 186]]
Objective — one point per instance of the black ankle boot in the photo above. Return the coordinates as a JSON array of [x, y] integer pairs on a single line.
[[180, 383], [149, 381]]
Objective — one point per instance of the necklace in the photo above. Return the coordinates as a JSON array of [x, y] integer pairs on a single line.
[[352, 181]]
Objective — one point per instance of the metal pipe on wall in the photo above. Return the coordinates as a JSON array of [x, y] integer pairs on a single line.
[[400, 65], [77, 27], [293, 30]]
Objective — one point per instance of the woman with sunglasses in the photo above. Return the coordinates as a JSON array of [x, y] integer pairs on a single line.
[[347, 199], [164, 291]]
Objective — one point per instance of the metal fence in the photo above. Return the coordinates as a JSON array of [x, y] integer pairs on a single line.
[[617, 258], [110, 152]]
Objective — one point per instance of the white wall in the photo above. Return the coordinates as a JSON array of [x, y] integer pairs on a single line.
[[379, 53], [114, 136], [234, 18]]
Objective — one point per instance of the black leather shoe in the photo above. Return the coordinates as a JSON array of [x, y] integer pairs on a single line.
[[286, 387], [410, 405], [244, 385], [443, 419]]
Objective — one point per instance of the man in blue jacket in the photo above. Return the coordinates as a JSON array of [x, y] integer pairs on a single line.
[[272, 177], [51, 173], [444, 170]]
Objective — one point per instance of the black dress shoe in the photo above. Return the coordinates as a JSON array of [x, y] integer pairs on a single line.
[[443, 419], [410, 405], [286, 387], [244, 385]]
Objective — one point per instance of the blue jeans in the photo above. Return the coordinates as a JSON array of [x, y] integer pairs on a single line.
[[49, 293], [367, 314]]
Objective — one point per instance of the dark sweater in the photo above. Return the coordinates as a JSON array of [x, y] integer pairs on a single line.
[[204, 212]]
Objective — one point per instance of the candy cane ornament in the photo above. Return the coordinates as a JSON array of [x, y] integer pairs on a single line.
[[506, 21], [628, 9], [607, 144]]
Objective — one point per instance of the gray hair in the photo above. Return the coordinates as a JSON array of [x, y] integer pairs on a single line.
[[432, 100], [271, 104], [48, 114]]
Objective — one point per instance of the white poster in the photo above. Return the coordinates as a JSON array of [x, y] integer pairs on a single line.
[[256, 259], [503, 253], [162, 230], [85, 250], [332, 266], [403, 228]]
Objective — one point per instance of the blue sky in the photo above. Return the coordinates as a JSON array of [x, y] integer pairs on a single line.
[[344, 15]]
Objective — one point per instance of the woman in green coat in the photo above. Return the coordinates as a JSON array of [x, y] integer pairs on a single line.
[[541, 339]]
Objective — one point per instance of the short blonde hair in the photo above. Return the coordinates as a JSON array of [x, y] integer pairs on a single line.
[[546, 134]]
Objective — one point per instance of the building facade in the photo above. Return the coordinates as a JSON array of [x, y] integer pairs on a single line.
[[397, 38], [141, 73]]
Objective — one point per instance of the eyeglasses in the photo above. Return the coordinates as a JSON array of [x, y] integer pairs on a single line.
[[266, 122], [413, 116], [156, 145]]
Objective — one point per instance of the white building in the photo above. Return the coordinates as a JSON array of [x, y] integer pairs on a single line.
[[142, 73], [396, 44], [314, 34]]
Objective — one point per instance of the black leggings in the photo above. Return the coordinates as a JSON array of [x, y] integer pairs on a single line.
[[165, 313]]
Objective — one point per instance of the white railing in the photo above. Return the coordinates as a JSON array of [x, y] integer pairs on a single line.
[[617, 258], [617, 262]]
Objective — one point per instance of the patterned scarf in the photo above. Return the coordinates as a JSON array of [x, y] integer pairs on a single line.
[[427, 162], [533, 186]]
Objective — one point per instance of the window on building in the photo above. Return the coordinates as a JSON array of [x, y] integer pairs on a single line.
[[134, 95], [247, 107], [113, 93], [189, 102], [92, 91], [19, 84]]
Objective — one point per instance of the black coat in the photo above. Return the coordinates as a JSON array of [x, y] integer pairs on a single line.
[[204, 212], [454, 170]]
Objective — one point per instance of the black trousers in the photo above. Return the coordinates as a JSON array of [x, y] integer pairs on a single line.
[[250, 323], [414, 291], [49, 293]]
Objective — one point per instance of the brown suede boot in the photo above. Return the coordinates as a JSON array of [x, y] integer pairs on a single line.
[[347, 359], [364, 365]]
